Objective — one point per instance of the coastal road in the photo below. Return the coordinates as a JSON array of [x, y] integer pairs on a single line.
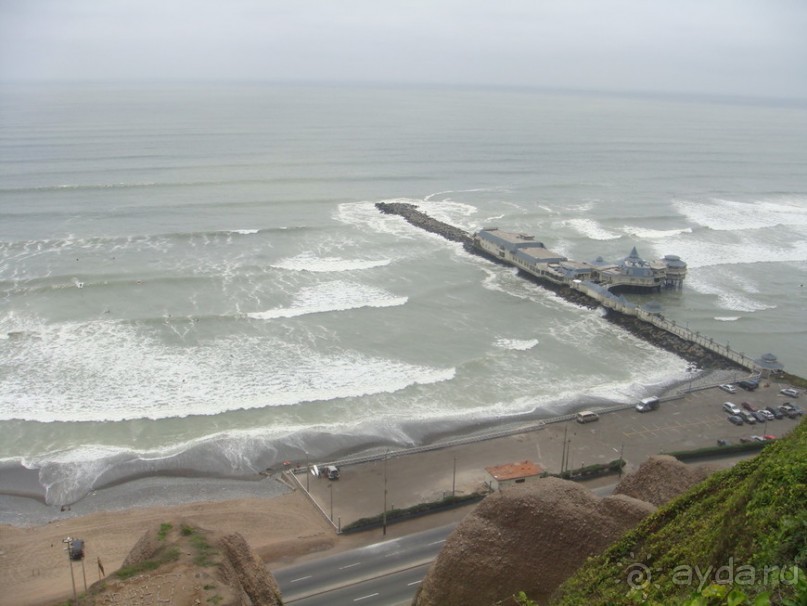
[[385, 573], [382, 574]]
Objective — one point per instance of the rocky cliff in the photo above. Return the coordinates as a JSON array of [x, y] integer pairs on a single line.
[[529, 538], [186, 566]]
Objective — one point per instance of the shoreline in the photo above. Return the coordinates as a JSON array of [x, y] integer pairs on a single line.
[[22, 498]]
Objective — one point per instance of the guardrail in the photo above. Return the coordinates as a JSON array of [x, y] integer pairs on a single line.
[[611, 301]]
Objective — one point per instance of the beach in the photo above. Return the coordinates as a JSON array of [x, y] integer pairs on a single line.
[[283, 525]]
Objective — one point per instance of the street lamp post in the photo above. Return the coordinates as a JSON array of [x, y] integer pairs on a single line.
[[331, 487], [68, 541], [621, 452], [454, 479], [384, 517], [307, 472]]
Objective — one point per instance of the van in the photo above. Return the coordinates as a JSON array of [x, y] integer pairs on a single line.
[[586, 416], [648, 404], [333, 472]]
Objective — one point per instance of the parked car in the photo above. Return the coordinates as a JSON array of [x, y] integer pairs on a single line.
[[648, 404], [767, 414], [758, 438], [731, 408], [748, 407], [735, 419], [790, 393], [777, 414], [586, 416], [787, 410], [768, 436], [729, 388], [795, 409], [749, 384], [747, 417], [761, 418]]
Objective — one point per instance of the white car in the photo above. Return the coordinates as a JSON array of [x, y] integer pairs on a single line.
[[767, 414], [791, 393], [728, 388], [731, 408]]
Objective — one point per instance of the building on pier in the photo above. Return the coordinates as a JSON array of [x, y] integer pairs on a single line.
[[631, 273]]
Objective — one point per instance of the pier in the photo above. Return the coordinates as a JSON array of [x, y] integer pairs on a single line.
[[592, 285]]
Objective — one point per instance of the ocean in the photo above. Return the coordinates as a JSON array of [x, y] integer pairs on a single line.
[[194, 278]]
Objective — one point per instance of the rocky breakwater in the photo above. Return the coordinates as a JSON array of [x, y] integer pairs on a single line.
[[419, 219], [698, 356]]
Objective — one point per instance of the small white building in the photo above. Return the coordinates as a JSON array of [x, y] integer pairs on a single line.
[[511, 474]]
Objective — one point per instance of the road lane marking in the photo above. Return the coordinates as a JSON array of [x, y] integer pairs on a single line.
[[349, 565], [414, 583], [372, 595], [436, 542], [300, 579]]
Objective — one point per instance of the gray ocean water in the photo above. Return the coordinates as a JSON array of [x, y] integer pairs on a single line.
[[196, 278]]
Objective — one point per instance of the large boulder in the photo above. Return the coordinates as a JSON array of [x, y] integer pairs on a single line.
[[661, 478], [529, 538]]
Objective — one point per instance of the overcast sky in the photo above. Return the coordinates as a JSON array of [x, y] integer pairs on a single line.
[[736, 47]]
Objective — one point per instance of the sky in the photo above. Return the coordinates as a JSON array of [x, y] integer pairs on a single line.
[[725, 47]]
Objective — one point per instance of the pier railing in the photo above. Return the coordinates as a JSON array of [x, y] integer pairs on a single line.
[[611, 301]]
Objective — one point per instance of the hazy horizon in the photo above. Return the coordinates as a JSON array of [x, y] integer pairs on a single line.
[[752, 49]]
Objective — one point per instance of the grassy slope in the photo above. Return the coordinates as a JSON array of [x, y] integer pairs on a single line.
[[754, 514]]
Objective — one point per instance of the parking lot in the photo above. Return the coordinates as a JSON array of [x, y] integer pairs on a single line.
[[694, 420]]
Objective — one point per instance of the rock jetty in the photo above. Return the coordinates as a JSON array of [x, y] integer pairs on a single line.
[[691, 352]]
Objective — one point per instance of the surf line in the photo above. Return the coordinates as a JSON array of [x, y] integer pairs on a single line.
[[588, 285]]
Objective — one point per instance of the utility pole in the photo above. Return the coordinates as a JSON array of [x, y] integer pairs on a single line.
[[384, 517], [69, 543], [307, 472], [563, 450], [331, 487], [454, 479]]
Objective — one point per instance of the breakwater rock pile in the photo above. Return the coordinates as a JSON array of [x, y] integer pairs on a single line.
[[412, 215], [693, 353]]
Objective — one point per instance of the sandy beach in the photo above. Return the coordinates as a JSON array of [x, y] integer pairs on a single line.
[[283, 525]]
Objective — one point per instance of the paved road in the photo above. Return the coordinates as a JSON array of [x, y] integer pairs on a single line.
[[395, 589], [349, 570], [382, 574]]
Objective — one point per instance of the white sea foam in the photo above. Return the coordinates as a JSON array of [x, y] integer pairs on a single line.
[[727, 318], [245, 232], [591, 229], [516, 344], [309, 261], [730, 293], [761, 248], [730, 215], [367, 217], [337, 295], [654, 234], [102, 371]]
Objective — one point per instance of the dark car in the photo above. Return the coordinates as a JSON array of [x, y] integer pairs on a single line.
[[761, 418], [748, 417], [737, 420], [748, 385], [786, 410], [796, 410], [775, 412], [748, 407]]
